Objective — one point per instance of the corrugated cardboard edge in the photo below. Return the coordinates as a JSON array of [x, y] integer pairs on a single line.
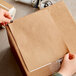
[[14, 47]]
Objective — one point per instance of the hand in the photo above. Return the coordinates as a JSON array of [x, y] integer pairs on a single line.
[[4, 17], [68, 67]]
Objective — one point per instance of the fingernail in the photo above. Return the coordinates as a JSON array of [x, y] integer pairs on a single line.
[[11, 21]]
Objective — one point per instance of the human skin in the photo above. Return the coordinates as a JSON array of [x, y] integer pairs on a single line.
[[68, 67], [4, 17]]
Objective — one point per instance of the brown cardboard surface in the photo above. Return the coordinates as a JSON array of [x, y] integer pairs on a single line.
[[45, 71], [5, 4], [66, 24], [38, 39]]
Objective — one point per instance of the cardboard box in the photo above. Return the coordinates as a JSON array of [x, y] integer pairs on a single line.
[[41, 38], [47, 56]]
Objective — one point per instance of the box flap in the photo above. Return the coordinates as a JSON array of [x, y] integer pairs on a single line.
[[66, 24], [38, 39]]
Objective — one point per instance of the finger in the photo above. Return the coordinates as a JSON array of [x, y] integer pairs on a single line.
[[66, 57], [1, 23], [6, 20], [6, 14], [5, 24], [71, 56]]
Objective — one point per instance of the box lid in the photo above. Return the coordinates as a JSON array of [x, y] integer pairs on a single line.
[[38, 39]]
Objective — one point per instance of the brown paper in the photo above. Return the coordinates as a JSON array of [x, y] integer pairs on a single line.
[[38, 39], [45, 71], [66, 24]]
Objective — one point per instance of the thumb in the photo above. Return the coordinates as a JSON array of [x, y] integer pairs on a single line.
[[66, 57], [6, 20]]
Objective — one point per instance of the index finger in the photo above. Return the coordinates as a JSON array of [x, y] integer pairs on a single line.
[[6, 14], [66, 57]]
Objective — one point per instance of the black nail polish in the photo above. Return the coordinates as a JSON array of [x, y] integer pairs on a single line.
[[11, 21]]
